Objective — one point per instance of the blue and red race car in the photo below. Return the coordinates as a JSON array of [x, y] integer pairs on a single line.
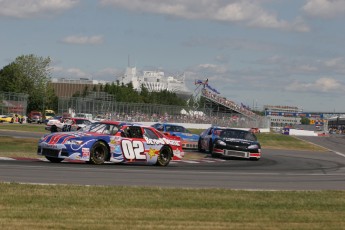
[[189, 140], [114, 142]]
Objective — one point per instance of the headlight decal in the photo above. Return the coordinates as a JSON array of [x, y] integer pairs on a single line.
[[220, 142], [253, 146]]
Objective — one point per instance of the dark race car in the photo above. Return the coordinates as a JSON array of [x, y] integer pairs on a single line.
[[114, 142], [221, 141], [189, 140]]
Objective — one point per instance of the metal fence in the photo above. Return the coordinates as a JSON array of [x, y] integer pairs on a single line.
[[13, 103], [104, 104]]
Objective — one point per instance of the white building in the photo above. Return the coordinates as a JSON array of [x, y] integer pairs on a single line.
[[155, 81], [281, 116]]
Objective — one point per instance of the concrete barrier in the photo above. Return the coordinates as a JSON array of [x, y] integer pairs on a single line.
[[298, 132]]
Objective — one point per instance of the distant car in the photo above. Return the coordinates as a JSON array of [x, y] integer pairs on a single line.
[[84, 115], [110, 142], [189, 140], [12, 118], [34, 117], [67, 124], [254, 130], [100, 117], [222, 141], [6, 118]]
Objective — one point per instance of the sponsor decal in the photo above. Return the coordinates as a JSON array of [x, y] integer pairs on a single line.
[[152, 152], [49, 146], [161, 141], [133, 150], [178, 153], [85, 152], [112, 142]]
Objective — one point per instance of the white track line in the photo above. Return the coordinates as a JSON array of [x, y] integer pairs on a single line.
[[338, 153]]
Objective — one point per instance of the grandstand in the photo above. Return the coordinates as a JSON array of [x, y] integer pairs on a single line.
[[217, 104]]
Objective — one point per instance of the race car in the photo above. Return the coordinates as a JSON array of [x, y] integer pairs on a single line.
[[109, 141], [222, 141], [6, 118], [11, 118], [66, 124], [189, 140]]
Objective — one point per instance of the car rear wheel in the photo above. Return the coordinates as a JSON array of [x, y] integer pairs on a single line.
[[54, 159], [98, 153], [164, 156]]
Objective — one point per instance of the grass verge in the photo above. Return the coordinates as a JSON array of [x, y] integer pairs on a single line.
[[37, 128], [279, 141], [80, 207], [18, 147]]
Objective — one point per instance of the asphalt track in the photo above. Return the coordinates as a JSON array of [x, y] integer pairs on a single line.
[[277, 170]]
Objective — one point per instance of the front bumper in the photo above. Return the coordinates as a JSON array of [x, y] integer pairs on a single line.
[[256, 153]]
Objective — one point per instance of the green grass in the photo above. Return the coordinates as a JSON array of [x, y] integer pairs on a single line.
[[18, 147], [24, 127], [279, 141], [96, 207]]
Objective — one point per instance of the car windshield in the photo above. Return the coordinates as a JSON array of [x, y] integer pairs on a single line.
[[80, 122], [238, 134], [103, 128], [176, 128]]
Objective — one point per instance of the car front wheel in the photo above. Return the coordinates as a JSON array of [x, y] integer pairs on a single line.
[[210, 147], [53, 129], [199, 146], [164, 156], [98, 153]]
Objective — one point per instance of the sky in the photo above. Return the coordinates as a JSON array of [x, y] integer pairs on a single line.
[[255, 52]]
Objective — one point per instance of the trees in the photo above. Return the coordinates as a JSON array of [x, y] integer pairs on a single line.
[[126, 93], [29, 74], [305, 121]]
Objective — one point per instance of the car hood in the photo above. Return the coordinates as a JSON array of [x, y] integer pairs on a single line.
[[63, 137], [238, 142], [189, 136]]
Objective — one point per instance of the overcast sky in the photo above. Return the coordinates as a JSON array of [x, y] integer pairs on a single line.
[[256, 52]]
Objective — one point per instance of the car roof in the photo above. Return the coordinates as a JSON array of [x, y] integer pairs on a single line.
[[109, 122], [78, 118], [139, 125]]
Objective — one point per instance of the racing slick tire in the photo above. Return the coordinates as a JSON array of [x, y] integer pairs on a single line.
[[164, 157], [199, 146], [215, 155], [98, 153], [53, 129], [210, 147], [54, 159]]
